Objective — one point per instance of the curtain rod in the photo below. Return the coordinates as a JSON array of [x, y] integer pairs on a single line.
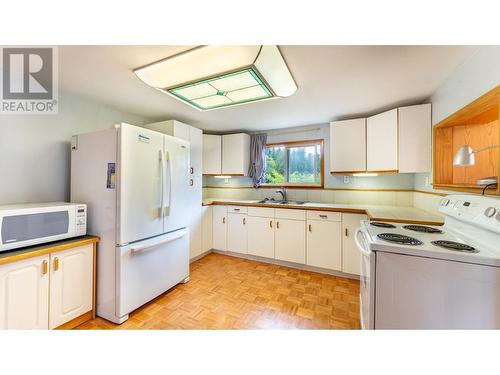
[[292, 131]]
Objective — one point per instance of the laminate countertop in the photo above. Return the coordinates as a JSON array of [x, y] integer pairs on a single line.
[[398, 214]]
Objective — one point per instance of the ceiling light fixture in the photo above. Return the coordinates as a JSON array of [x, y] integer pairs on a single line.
[[211, 77]]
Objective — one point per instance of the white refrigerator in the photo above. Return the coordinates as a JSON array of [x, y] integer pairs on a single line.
[[135, 184]]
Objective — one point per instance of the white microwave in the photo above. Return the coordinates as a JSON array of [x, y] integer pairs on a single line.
[[31, 224]]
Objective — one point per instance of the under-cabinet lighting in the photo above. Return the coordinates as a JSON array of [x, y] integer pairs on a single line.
[[225, 177], [365, 174]]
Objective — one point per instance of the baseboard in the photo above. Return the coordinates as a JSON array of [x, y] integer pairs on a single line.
[[303, 267], [198, 257], [76, 321]]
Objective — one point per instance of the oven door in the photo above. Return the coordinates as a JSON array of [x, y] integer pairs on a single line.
[[367, 302]]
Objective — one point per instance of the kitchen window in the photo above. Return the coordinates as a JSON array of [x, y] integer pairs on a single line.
[[295, 164]]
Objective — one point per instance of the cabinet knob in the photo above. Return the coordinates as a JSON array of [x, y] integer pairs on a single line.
[[191, 170], [56, 263], [45, 267], [310, 228], [191, 182]]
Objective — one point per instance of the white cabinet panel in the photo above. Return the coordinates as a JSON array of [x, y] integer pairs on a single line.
[[351, 258], [212, 154], [324, 244], [207, 228], [348, 146], [235, 154], [290, 240], [261, 236], [220, 228], [24, 294], [70, 284], [382, 141], [237, 233], [415, 139]]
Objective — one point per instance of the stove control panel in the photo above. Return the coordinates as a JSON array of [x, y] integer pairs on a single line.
[[475, 209]]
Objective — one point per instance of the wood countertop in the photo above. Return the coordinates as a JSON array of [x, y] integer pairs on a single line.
[[396, 214], [46, 248]]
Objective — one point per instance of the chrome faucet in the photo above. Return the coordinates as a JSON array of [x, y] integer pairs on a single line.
[[282, 191]]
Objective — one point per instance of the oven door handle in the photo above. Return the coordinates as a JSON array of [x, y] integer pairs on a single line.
[[358, 244]]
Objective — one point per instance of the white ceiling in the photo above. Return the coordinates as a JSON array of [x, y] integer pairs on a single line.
[[335, 82]]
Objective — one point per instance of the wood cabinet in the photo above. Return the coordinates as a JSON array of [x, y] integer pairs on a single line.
[[237, 232], [70, 284], [261, 236], [351, 257], [206, 228], [382, 142], [348, 146], [24, 294], [290, 240], [324, 244], [219, 228], [235, 154], [415, 139], [48, 286], [212, 154], [195, 138]]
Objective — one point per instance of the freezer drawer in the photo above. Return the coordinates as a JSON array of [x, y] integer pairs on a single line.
[[148, 268]]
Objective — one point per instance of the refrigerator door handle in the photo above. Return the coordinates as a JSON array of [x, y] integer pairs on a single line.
[[162, 188], [166, 208], [152, 244]]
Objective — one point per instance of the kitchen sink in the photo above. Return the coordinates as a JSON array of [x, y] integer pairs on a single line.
[[270, 201]]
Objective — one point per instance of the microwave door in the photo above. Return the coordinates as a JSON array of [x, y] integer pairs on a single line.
[[140, 184], [176, 204]]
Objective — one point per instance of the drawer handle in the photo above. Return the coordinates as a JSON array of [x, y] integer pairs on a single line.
[[56, 263], [346, 232], [270, 223], [323, 216], [45, 267], [236, 209], [310, 228], [223, 220], [277, 225], [244, 221]]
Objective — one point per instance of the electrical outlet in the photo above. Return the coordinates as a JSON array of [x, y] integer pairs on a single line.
[[346, 179]]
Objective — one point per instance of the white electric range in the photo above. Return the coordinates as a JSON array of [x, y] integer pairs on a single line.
[[433, 277]]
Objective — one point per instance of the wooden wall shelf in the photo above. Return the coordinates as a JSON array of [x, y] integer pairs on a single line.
[[477, 125]]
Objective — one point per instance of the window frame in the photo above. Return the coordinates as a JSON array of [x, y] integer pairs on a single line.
[[312, 142]]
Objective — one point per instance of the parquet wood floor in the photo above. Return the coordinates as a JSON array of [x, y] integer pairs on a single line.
[[231, 293]]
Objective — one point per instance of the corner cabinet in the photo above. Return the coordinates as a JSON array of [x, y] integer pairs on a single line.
[[47, 287], [348, 146], [226, 154], [212, 154]]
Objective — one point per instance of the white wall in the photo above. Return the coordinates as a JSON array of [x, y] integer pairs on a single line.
[[476, 76], [35, 149]]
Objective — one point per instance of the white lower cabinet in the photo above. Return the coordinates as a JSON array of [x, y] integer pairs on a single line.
[[324, 244], [24, 294], [290, 240], [260, 231], [219, 224], [351, 258], [206, 229], [237, 233], [70, 284]]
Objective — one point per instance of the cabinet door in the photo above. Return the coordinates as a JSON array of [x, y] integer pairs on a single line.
[[219, 228], [351, 258], [212, 154], [70, 284], [348, 146], [382, 141], [207, 229], [290, 240], [237, 233], [235, 154], [260, 236], [24, 294], [415, 138], [324, 244]]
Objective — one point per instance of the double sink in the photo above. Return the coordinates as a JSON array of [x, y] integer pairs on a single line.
[[284, 202]]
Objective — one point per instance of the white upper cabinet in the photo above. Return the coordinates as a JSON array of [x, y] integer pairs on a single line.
[[212, 154], [415, 139], [382, 142], [348, 146], [235, 154]]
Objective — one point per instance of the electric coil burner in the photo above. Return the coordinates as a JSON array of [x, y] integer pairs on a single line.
[[457, 246], [382, 225], [422, 229], [399, 238]]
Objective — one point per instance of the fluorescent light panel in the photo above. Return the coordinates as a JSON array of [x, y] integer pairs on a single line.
[[239, 87], [367, 174]]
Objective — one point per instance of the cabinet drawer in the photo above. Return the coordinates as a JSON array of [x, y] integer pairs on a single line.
[[261, 212], [237, 209], [284, 213], [324, 215]]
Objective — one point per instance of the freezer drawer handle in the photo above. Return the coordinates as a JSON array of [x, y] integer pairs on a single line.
[[147, 247]]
